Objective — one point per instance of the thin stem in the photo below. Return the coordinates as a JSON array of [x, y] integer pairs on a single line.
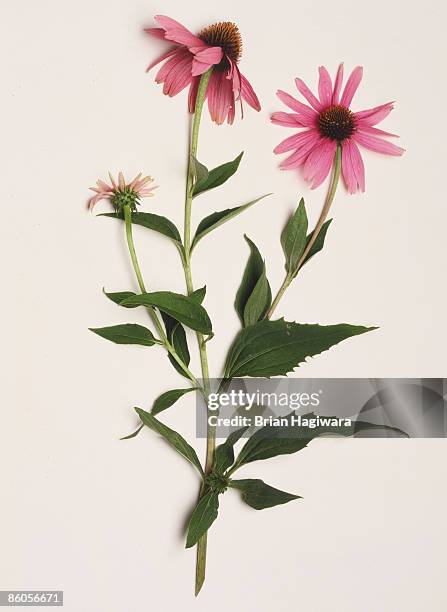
[[186, 260], [153, 315], [324, 213]]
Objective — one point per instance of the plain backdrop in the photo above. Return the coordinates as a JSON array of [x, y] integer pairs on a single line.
[[103, 519]]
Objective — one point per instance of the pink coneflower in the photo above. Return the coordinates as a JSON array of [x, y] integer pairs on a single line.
[[120, 193], [329, 121], [218, 46]]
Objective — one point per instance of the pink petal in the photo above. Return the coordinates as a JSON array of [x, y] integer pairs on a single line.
[[156, 32], [325, 163], [377, 144], [176, 32], [324, 87], [305, 91], [248, 94], [347, 168], [220, 97], [351, 86], [337, 85], [192, 97], [365, 129], [375, 115], [307, 115], [356, 163], [179, 77], [294, 142], [204, 58], [161, 58], [286, 119], [299, 157]]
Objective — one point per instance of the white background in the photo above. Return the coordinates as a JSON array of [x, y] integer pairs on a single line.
[[103, 519]]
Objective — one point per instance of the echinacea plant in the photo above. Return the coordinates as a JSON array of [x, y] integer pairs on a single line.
[[208, 63]]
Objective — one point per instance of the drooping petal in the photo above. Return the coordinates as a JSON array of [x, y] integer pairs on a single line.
[[248, 94], [325, 163], [192, 97], [373, 143], [337, 85], [324, 86], [356, 163], [307, 115], [294, 142], [156, 32], [305, 91], [220, 96], [347, 168], [299, 157], [177, 33], [286, 119], [204, 58], [351, 86], [179, 77], [178, 55], [161, 58], [373, 116]]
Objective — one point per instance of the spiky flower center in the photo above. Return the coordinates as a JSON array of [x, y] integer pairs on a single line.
[[125, 197], [336, 122], [225, 35]]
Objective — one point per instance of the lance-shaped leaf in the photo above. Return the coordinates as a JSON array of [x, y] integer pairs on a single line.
[[274, 348], [168, 399], [157, 223], [218, 176], [284, 439], [134, 434], [293, 237], [319, 242], [208, 224], [176, 335], [180, 307], [202, 518], [129, 333], [198, 295], [253, 281], [260, 495], [199, 171], [224, 456], [172, 437], [120, 296]]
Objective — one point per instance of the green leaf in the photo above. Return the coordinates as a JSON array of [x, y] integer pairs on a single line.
[[271, 440], [208, 224], [202, 518], [200, 172], [120, 296], [172, 437], [293, 237], [259, 301], [129, 333], [198, 295], [224, 457], [133, 434], [319, 242], [260, 495], [177, 337], [157, 223], [167, 399], [180, 307], [218, 176], [274, 348], [254, 270]]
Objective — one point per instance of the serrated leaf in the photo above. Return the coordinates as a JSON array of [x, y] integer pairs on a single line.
[[120, 296], [168, 399], [293, 237], [259, 301], [274, 440], [254, 270], [274, 348], [218, 176], [180, 307], [173, 437], [213, 221], [224, 456], [260, 495], [157, 223], [202, 518], [133, 434], [129, 333], [199, 171]]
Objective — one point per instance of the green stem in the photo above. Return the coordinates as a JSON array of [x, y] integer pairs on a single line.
[[153, 315], [324, 213], [211, 433]]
